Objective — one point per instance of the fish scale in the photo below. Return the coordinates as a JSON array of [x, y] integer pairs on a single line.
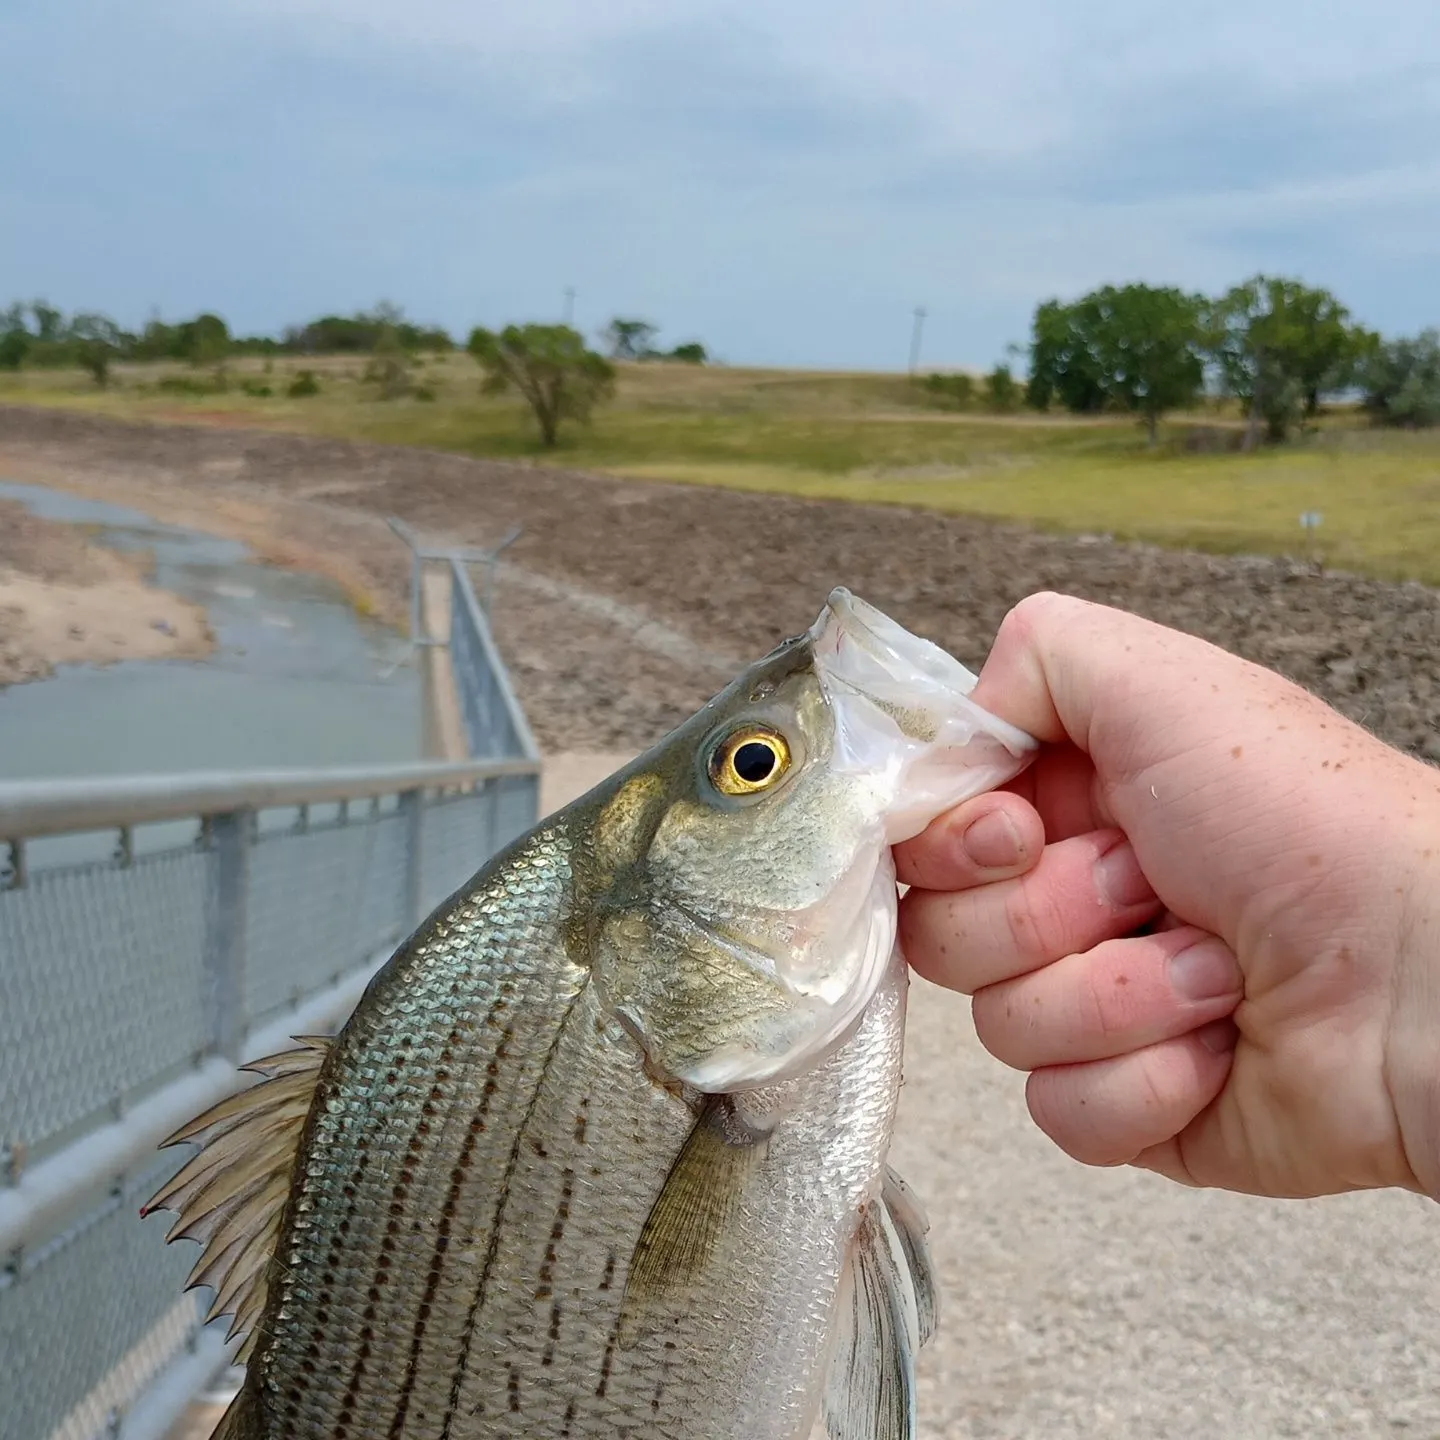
[[601, 1151], [550, 1284]]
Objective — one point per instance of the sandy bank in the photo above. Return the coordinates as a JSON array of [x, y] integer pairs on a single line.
[[64, 600]]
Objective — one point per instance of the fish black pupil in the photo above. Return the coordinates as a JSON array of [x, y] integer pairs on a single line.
[[754, 762]]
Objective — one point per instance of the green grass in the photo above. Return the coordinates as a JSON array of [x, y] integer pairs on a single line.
[[874, 438]]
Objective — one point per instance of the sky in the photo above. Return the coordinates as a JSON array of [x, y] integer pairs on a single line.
[[784, 181]]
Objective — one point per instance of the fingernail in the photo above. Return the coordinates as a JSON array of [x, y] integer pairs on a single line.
[[1219, 1036], [1120, 878], [1205, 970], [992, 841]]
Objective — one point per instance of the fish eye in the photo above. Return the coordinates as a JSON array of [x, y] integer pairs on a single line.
[[749, 761]]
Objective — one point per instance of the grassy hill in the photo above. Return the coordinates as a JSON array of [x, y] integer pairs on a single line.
[[875, 437]]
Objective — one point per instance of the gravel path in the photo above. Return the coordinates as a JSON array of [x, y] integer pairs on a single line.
[[1077, 1303]]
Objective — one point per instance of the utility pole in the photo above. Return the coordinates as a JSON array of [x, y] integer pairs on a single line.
[[915, 338], [569, 305]]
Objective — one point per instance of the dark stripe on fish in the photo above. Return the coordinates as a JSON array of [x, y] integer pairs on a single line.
[[467, 1335], [612, 1343], [546, 1288], [553, 1337], [357, 1372], [458, 1175]]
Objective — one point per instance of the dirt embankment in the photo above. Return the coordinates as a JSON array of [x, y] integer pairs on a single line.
[[623, 604], [64, 600]]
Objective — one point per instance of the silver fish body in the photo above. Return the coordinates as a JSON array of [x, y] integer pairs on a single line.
[[602, 1150]]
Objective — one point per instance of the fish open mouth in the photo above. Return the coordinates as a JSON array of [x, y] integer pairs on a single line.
[[904, 718]]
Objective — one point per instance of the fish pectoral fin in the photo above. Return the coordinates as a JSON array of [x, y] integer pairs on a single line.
[[686, 1230], [870, 1386], [229, 1195], [908, 1218]]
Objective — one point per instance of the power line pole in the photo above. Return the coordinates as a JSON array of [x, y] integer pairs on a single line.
[[569, 304], [915, 338]]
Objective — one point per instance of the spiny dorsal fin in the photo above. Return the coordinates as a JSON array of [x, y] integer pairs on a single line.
[[908, 1217], [870, 1386], [690, 1217], [229, 1195]]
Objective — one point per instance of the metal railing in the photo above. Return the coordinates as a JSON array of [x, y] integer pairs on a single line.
[[153, 931], [494, 721]]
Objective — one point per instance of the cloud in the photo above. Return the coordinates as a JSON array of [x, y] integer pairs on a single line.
[[785, 182]]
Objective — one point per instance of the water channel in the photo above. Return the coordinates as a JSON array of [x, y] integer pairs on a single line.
[[296, 677]]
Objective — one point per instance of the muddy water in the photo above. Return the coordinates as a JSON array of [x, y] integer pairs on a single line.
[[296, 678]]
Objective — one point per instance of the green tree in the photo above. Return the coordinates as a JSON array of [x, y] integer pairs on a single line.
[[630, 339], [205, 340], [1002, 390], [1278, 345], [1136, 348], [1062, 367], [551, 368], [159, 341], [361, 334], [692, 352], [49, 322], [390, 368], [1401, 379], [14, 345], [98, 343], [14, 338]]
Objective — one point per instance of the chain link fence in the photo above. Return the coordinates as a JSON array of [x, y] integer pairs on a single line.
[[153, 932]]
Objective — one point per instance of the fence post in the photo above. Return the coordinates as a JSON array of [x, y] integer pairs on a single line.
[[412, 806], [225, 953]]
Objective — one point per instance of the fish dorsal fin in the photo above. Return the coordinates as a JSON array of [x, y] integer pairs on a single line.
[[687, 1225], [908, 1217], [870, 1386], [230, 1194]]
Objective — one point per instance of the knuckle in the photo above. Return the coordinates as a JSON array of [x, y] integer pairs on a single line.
[[1030, 613], [1098, 1013]]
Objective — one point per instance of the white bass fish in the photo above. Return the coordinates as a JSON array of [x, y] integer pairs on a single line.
[[602, 1150]]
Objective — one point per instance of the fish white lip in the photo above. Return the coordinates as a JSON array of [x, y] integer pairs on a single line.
[[904, 718]]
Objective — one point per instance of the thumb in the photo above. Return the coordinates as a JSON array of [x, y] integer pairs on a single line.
[[1063, 668]]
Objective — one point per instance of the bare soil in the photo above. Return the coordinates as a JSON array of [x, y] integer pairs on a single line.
[[625, 604]]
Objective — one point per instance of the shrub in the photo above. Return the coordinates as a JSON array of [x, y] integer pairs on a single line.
[[186, 385], [303, 385], [13, 345], [1402, 381], [954, 391], [1002, 390]]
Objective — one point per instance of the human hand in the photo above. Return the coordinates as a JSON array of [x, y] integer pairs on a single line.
[[1199, 839]]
